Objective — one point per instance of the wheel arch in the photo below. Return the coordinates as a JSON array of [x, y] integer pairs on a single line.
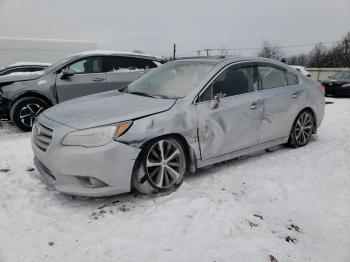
[[191, 160], [33, 94], [307, 108]]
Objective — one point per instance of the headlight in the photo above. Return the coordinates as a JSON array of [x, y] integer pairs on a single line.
[[97, 136], [346, 85]]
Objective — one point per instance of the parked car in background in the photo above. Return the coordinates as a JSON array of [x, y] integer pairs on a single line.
[[23, 67], [24, 96], [302, 70], [181, 116], [338, 84]]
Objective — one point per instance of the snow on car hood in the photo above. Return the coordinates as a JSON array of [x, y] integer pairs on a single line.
[[105, 108], [20, 76]]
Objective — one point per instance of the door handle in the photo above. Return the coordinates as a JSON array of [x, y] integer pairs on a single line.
[[256, 104], [296, 94], [98, 79]]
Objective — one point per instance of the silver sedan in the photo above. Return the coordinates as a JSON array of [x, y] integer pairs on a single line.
[[184, 115]]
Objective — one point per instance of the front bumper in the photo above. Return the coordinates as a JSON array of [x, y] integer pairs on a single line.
[[63, 167]]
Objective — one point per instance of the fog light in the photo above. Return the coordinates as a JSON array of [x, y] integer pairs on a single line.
[[92, 182]]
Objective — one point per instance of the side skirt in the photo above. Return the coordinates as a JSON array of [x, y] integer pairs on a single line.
[[242, 152]]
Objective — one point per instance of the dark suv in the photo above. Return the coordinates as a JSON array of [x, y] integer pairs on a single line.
[[338, 84], [24, 97]]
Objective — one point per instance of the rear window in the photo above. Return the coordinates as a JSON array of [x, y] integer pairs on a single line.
[[145, 63], [120, 63], [272, 77], [291, 78]]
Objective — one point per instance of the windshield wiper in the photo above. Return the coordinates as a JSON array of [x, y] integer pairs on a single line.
[[143, 94], [124, 89]]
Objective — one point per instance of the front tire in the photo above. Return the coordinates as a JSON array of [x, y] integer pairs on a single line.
[[302, 129], [161, 167], [25, 110]]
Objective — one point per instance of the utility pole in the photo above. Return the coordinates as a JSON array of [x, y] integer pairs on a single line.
[[174, 54]]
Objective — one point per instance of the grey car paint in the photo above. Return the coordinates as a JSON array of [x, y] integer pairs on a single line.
[[51, 86], [240, 125], [115, 107], [22, 67]]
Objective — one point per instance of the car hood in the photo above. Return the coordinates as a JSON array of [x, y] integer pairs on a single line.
[[106, 108], [17, 77]]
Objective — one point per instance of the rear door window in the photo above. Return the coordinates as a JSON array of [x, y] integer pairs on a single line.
[[145, 63], [121, 64], [272, 77], [292, 79]]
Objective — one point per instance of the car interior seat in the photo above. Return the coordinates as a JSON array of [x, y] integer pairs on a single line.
[[235, 83]]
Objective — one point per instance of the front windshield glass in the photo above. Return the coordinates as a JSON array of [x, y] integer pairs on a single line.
[[342, 75], [57, 65], [172, 80]]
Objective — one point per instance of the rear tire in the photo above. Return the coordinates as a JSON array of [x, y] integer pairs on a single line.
[[25, 110], [160, 168], [302, 129]]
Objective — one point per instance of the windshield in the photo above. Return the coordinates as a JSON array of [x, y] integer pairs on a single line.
[[342, 75], [57, 65], [172, 80]]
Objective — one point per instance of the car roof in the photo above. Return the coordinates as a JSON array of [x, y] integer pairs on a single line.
[[119, 53], [233, 59]]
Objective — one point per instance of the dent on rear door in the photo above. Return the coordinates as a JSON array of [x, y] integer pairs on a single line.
[[280, 110]]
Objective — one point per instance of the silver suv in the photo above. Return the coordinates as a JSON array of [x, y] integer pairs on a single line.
[[24, 96]]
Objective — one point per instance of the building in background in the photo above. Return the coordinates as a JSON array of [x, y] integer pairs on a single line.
[[13, 49]]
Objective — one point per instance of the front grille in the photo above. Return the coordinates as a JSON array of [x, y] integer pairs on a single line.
[[42, 136]]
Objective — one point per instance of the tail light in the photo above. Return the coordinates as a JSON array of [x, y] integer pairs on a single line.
[[322, 89]]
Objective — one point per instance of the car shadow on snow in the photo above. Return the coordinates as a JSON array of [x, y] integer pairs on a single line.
[[133, 201], [96, 207], [276, 150]]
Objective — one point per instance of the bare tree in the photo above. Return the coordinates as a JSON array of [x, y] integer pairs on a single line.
[[271, 50], [301, 59], [318, 56]]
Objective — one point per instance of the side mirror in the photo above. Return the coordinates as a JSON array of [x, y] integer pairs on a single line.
[[214, 104], [67, 72]]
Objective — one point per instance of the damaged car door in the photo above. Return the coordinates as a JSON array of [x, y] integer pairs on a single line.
[[230, 112]]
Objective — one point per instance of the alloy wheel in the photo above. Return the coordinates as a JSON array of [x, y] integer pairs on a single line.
[[164, 164], [29, 113], [303, 128]]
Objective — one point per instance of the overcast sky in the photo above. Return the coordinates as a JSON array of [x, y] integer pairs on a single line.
[[154, 25]]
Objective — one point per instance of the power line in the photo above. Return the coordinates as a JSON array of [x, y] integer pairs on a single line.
[[207, 50]]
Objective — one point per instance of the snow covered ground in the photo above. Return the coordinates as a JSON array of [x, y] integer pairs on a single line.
[[291, 205]]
